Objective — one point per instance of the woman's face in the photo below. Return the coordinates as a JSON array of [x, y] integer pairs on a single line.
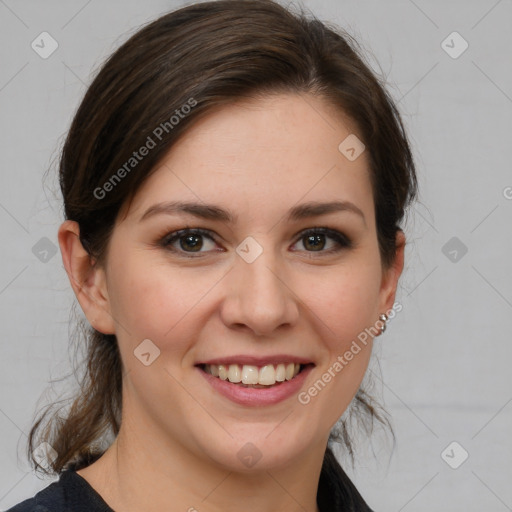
[[262, 285]]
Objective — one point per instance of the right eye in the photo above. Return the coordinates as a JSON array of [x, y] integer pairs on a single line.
[[191, 240]]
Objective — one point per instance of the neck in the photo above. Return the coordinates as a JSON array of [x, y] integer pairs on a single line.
[[140, 471]]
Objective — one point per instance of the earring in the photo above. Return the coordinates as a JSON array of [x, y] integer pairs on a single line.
[[383, 318]]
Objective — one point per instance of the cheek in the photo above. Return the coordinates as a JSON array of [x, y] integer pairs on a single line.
[[344, 301], [156, 302], [344, 307]]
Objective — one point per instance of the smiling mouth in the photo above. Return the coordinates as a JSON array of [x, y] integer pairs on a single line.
[[251, 376]]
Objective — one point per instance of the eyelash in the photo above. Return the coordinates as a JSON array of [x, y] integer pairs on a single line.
[[342, 241]]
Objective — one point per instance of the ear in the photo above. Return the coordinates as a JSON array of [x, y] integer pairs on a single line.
[[391, 275], [87, 279]]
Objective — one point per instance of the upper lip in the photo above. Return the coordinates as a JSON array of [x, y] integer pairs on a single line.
[[256, 360]]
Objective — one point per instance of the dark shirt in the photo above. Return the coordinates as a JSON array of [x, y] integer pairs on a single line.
[[71, 493]]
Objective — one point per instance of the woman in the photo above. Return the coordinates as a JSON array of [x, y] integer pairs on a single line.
[[234, 182]]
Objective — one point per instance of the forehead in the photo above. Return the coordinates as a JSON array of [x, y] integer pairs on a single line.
[[257, 157]]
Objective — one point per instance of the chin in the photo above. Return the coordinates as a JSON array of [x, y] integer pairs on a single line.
[[261, 451]]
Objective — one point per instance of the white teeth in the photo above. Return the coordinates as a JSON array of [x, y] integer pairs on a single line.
[[223, 372], [234, 373], [267, 375], [290, 369], [280, 373], [247, 374]]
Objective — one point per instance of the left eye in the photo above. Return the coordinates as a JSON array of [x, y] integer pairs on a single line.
[[315, 238], [192, 241]]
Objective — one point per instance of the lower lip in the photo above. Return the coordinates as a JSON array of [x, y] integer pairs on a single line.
[[258, 396]]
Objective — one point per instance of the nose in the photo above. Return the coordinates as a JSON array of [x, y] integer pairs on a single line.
[[259, 297]]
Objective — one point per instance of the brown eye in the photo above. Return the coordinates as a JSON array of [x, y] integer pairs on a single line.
[[314, 242], [316, 239], [192, 242], [189, 241]]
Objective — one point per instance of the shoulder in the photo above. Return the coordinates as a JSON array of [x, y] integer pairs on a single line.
[[29, 505], [49, 499], [71, 493]]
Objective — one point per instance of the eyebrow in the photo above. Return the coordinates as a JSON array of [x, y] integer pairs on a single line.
[[213, 212]]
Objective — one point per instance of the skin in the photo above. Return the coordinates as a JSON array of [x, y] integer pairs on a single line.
[[179, 438]]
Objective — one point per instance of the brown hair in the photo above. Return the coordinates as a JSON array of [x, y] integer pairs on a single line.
[[206, 55]]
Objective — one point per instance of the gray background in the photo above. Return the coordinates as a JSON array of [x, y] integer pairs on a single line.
[[445, 359]]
